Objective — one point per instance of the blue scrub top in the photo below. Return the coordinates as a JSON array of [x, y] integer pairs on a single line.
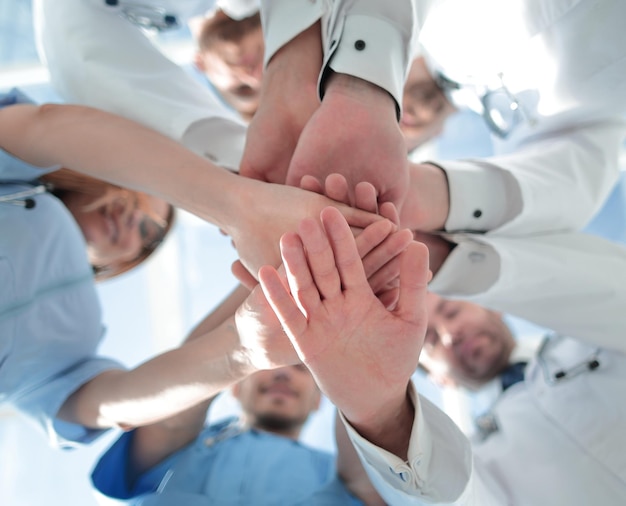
[[227, 465], [50, 315]]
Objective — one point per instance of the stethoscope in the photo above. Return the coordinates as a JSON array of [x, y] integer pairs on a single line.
[[590, 363], [487, 423], [24, 198], [501, 109], [146, 16]]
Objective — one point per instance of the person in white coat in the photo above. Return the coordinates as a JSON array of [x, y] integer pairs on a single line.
[[555, 438], [98, 55], [549, 80], [331, 94]]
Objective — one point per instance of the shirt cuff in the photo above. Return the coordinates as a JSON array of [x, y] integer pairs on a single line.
[[405, 476], [371, 49], [218, 139], [440, 460], [472, 267], [482, 197], [283, 20]]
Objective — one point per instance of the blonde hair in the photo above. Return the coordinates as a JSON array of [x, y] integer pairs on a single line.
[[64, 181]]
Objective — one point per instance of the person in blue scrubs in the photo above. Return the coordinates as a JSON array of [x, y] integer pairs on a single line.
[[254, 459], [257, 460], [50, 246]]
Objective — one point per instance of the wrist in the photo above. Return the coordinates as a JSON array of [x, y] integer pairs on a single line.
[[239, 358], [338, 85], [389, 426], [233, 203], [427, 205]]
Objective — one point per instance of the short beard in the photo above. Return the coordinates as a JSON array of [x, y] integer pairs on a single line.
[[276, 423]]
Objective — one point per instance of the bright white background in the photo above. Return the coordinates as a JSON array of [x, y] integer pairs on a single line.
[[152, 308]]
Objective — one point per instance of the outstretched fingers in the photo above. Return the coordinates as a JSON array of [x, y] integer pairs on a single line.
[[346, 256], [414, 277], [278, 293], [322, 272]]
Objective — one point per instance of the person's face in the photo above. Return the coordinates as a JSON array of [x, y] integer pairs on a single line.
[[118, 231], [465, 341], [278, 400], [424, 106], [236, 70]]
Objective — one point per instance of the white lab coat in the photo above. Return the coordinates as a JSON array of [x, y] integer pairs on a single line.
[[96, 57], [558, 443], [565, 63], [387, 30]]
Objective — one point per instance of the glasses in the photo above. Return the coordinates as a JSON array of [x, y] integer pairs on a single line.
[[152, 233]]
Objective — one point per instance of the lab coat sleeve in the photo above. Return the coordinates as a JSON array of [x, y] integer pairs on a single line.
[[372, 40], [572, 283], [95, 57], [440, 467], [554, 182], [283, 20], [368, 39], [238, 9]]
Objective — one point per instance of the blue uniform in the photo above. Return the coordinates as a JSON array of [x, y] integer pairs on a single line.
[[227, 466], [50, 315]]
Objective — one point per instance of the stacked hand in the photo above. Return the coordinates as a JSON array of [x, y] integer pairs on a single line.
[[378, 251], [361, 353], [353, 131]]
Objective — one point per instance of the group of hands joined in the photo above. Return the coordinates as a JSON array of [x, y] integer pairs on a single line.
[[347, 302]]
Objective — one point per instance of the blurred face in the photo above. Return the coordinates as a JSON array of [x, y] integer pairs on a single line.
[[465, 341], [424, 106], [117, 231], [236, 70], [279, 400]]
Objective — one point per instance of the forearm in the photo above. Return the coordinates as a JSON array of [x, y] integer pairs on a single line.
[[553, 183], [168, 384], [388, 426], [427, 203], [351, 470], [192, 420], [123, 152], [225, 310]]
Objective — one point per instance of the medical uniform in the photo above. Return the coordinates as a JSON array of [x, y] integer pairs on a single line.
[[368, 39], [556, 438], [98, 57], [557, 71], [227, 465], [574, 283], [50, 316]]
